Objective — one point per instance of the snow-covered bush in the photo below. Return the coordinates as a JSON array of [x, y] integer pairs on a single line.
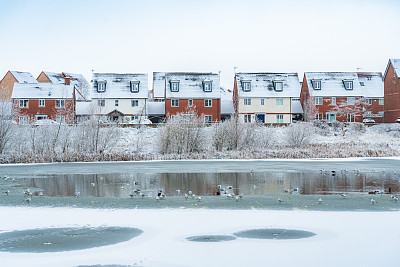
[[322, 127], [357, 127], [182, 134], [299, 134]]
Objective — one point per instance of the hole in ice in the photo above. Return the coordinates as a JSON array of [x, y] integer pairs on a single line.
[[274, 233], [64, 239], [211, 238]]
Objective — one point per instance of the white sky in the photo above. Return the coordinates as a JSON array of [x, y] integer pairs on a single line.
[[146, 36]]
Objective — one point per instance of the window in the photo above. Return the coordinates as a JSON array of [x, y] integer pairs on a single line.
[[319, 116], [40, 117], [101, 102], [247, 101], [278, 86], [173, 117], [134, 86], [60, 119], [23, 103], [101, 87], [279, 101], [381, 101], [134, 103], [134, 117], [369, 78], [60, 103], [368, 101], [279, 118], [190, 102], [207, 102], [207, 119], [368, 114], [318, 100], [333, 101], [348, 85], [246, 86], [330, 117], [381, 113], [174, 102], [247, 118], [316, 84], [350, 117], [362, 83], [174, 86], [23, 120], [207, 86], [262, 101], [41, 103], [350, 101], [116, 103]]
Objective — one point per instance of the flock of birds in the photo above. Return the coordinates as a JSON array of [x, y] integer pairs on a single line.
[[227, 191]]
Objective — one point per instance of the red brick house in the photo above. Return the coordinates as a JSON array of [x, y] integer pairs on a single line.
[[188, 92], [392, 91], [44, 101], [342, 96], [8, 81]]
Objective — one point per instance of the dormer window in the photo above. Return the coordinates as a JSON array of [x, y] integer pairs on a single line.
[[101, 86], [135, 86], [362, 83], [207, 86], [246, 85], [278, 86], [369, 78], [348, 85], [316, 84], [174, 86]]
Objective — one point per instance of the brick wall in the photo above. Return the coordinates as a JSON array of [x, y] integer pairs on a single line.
[[392, 95], [198, 107]]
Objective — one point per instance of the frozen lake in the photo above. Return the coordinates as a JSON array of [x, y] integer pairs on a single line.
[[252, 213]]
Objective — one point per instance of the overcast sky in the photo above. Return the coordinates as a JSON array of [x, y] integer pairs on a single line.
[[204, 36]]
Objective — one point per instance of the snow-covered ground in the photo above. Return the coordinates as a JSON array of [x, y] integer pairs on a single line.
[[342, 238]]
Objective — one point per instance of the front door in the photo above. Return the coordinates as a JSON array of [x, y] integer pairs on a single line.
[[330, 117], [261, 118]]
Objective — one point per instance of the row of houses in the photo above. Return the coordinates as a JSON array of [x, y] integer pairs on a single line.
[[272, 98]]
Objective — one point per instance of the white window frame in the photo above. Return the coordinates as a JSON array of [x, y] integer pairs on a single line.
[[318, 100], [208, 102], [174, 86], [278, 86], [247, 118], [247, 101], [350, 117], [60, 103], [381, 101], [42, 102], [368, 101], [39, 117], [24, 103], [135, 86], [381, 113], [207, 119], [174, 102], [60, 119], [207, 86], [262, 102], [101, 87], [23, 120], [279, 118], [101, 102], [190, 102], [279, 101], [348, 85], [316, 84], [351, 101], [319, 116], [134, 102], [116, 102], [246, 86], [333, 100]]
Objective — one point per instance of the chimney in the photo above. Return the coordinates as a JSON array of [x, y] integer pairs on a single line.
[[67, 80]]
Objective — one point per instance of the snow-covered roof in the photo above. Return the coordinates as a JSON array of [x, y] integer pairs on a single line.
[[23, 77], [158, 84], [371, 84], [227, 107], [396, 65], [332, 84], [262, 84], [82, 84], [118, 85], [296, 107], [190, 84], [83, 108], [156, 108], [42, 91]]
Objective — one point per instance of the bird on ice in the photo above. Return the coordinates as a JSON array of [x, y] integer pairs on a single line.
[[186, 196], [320, 200], [77, 194], [373, 201], [237, 198], [178, 192], [7, 192], [395, 198], [28, 200], [280, 200], [199, 199], [343, 195], [92, 184], [157, 198]]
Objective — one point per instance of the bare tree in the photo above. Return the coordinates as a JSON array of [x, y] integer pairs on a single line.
[[6, 122], [299, 134]]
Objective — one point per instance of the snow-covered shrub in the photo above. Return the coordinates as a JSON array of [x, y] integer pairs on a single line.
[[182, 134], [357, 127], [391, 128], [299, 134], [322, 127]]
